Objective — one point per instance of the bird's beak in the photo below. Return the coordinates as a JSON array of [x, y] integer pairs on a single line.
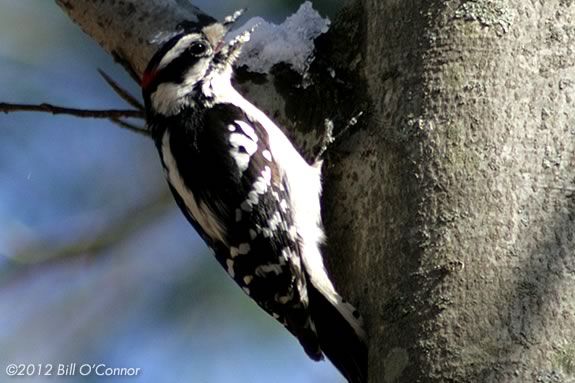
[[230, 51], [216, 32]]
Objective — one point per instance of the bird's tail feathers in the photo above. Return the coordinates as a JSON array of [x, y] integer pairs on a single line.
[[340, 335]]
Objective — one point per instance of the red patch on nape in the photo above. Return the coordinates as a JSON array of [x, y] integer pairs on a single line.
[[148, 77]]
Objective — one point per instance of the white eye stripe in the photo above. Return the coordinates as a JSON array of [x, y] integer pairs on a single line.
[[169, 97], [177, 49]]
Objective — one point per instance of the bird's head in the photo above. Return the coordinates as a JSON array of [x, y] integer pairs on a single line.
[[188, 58]]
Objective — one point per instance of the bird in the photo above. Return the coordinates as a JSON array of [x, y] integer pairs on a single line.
[[247, 191]]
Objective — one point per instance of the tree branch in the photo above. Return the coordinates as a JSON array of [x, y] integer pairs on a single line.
[[123, 93], [131, 127], [126, 28], [84, 113], [114, 115], [97, 240]]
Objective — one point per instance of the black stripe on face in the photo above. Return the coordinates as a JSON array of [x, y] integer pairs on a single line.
[[174, 59]]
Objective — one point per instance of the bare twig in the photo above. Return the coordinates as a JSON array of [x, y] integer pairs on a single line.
[[85, 113], [124, 94], [96, 240], [131, 127], [114, 115]]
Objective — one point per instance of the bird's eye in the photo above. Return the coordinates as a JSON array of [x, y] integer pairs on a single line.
[[198, 48]]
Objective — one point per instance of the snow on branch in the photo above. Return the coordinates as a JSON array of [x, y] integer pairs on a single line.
[[291, 42]]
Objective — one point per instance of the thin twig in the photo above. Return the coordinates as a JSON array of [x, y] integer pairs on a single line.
[[329, 138], [124, 94], [96, 239], [131, 127], [119, 57], [86, 113]]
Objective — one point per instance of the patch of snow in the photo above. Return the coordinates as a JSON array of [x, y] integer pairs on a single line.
[[291, 42]]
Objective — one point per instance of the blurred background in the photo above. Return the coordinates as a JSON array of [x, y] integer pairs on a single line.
[[97, 265]]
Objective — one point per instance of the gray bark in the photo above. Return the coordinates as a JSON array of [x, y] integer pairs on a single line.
[[451, 213], [125, 28], [459, 199]]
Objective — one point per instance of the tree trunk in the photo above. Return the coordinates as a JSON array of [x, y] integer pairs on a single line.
[[451, 214], [457, 205]]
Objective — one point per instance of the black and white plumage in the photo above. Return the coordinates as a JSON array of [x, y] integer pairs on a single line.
[[247, 191]]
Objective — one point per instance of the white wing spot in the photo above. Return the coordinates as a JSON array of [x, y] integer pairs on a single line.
[[253, 234], [244, 248], [253, 198], [283, 300], [230, 265], [262, 270], [287, 253], [267, 155], [262, 183], [248, 130], [302, 291], [245, 206], [242, 160], [284, 205], [232, 128], [274, 221], [248, 279], [292, 232], [240, 144], [239, 140], [267, 174], [275, 195], [238, 215]]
